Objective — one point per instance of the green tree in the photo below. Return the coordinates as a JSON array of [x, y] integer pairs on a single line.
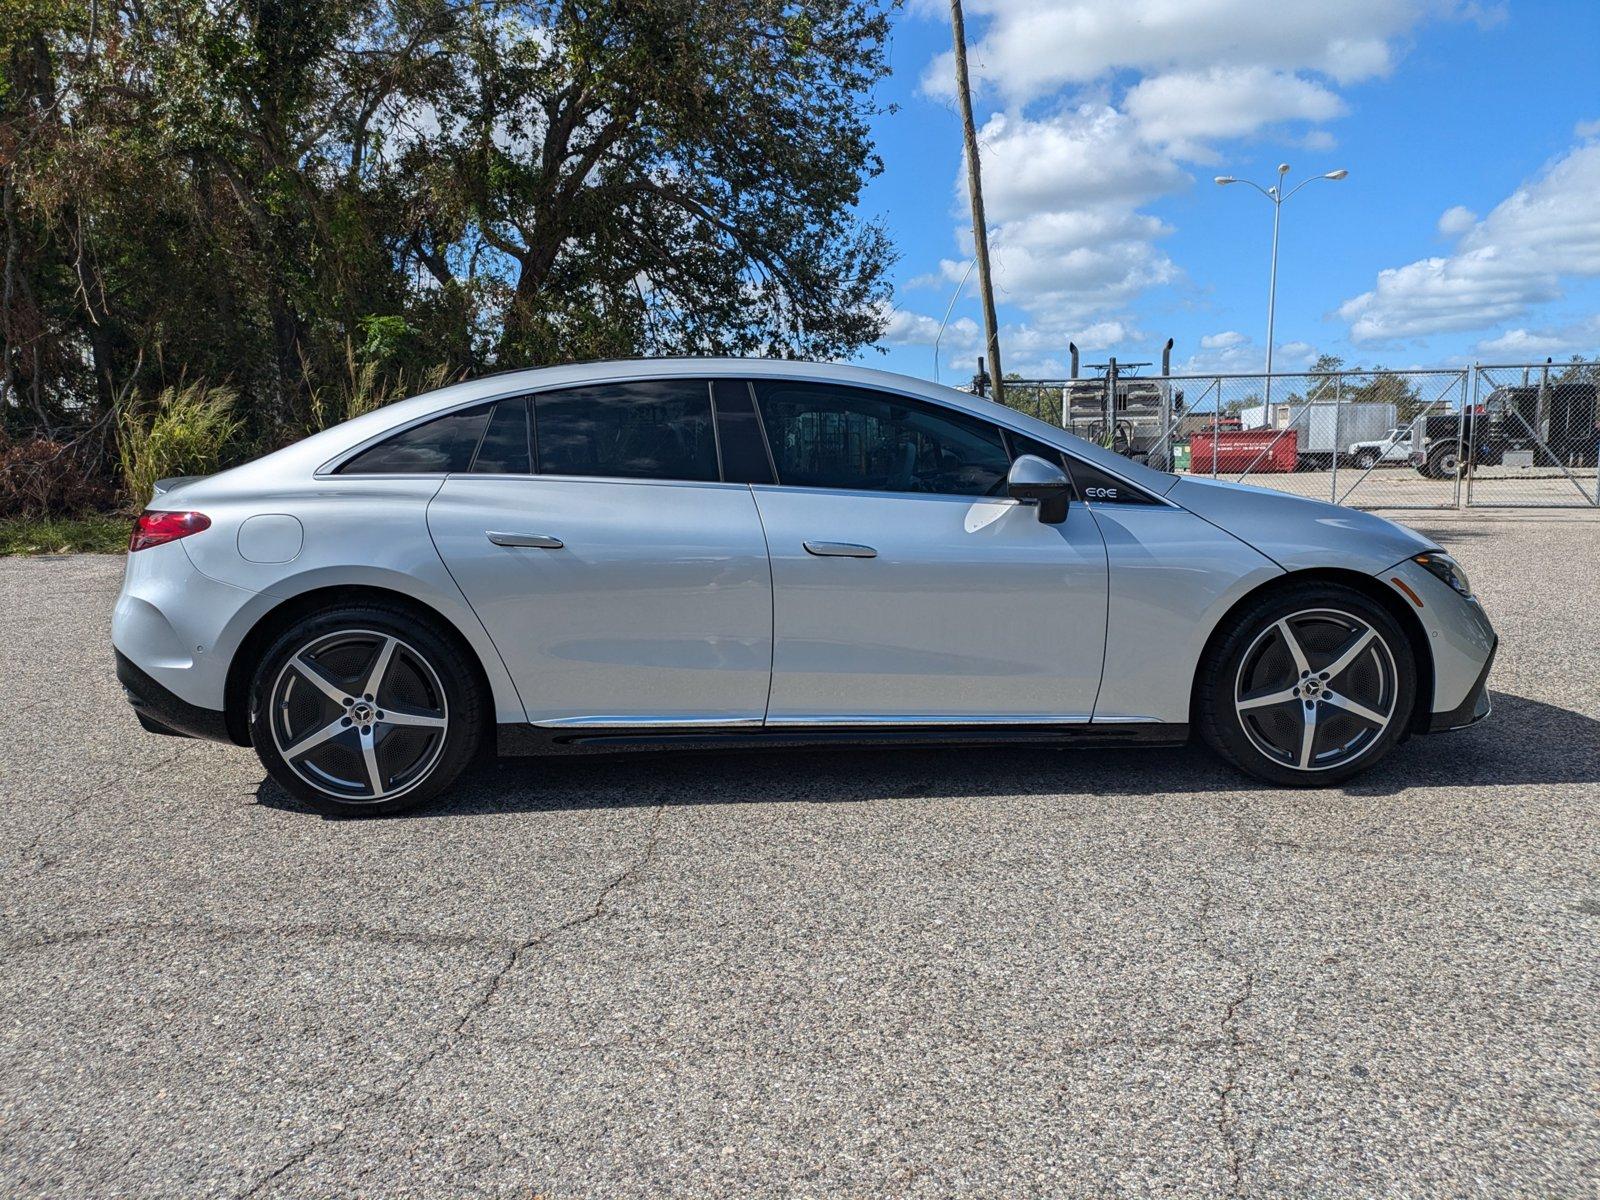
[[640, 175], [311, 201]]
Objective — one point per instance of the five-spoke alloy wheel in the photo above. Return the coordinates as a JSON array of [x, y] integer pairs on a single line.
[[364, 710], [1309, 686]]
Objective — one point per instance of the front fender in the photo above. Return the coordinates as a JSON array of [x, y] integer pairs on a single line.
[[1300, 534]]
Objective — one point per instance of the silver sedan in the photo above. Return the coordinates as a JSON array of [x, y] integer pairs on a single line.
[[732, 552]]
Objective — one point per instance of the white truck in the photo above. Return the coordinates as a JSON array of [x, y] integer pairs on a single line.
[[1324, 430], [1396, 446]]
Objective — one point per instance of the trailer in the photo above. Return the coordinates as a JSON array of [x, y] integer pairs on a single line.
[[1324, 430]]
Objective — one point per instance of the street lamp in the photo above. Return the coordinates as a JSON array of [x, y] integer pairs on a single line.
[[1277, 195]]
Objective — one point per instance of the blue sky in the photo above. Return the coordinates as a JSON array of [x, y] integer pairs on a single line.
[[1468, 229]]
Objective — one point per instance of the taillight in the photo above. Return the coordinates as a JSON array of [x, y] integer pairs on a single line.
[[158, 528]]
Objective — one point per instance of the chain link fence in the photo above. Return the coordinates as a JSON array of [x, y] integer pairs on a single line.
[[1488, 435]]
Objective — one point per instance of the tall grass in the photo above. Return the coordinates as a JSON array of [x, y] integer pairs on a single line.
[[186, 431], [365, 388]]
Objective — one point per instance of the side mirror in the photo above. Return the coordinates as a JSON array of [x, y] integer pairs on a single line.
[[1033, 480]]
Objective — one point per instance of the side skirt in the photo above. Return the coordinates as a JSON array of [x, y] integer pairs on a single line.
[[520, 740]]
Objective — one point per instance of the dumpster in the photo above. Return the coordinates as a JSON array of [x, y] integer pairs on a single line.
[[1235, 451]]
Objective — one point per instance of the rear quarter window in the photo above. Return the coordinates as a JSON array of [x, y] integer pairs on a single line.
[[435, 447]]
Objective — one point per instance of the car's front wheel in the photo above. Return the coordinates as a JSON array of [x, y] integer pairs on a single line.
[[1309, 686], [364, 710]]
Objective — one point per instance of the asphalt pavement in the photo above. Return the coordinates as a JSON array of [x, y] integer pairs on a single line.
[[1002, 973]]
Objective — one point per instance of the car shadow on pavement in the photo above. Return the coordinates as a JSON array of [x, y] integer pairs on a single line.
[[1525, 742]]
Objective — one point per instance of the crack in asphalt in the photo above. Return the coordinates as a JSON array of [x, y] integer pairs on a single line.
[[481, 1004], [223, 934], [1227, 1121], [69, 809]]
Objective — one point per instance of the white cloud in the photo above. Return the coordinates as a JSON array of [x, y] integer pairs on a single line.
[[1102, 335], [1457, 220], [1034, 351], [1029, 48], [1520, 345], [1079, 156], [1517, 256], [1187, 108], [1103, 100], [1233, 353], [1586, 129], [1067, 241], [915, 329], [1055, 261]]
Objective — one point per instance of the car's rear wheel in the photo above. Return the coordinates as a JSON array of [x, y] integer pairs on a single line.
[[1308, 687], [364, 710]]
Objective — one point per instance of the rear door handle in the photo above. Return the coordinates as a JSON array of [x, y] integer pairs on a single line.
[[537, 541], [840, 550]]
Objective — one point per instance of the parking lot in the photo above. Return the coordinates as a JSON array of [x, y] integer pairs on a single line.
[[1408, 489], [865, 973]]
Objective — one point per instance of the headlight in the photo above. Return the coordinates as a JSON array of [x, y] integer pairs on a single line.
[[1442, 566]]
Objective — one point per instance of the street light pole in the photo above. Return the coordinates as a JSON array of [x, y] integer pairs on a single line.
[[1272, 277], [1276, 194]]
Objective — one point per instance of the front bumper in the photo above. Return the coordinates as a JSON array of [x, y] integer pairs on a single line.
[[1471, 710], [161, 711]]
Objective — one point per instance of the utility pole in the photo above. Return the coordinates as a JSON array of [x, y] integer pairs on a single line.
[[980, 232]]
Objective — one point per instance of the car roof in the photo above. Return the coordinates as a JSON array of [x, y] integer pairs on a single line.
[[322, 449]]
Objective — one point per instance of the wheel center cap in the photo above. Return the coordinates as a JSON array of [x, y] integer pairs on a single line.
[[361, 712], [1311, 687]]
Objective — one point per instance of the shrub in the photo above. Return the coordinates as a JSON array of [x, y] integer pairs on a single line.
[[43, 478], [186, 432]]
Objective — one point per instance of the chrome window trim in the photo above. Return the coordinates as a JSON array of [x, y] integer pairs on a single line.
[[331, 466], [606, 479]]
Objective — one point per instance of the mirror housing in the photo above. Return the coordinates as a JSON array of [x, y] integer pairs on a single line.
[[1034, 480]]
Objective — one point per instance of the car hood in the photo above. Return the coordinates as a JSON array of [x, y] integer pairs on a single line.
[[1299, 534]]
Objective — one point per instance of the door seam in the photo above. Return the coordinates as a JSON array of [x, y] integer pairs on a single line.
[[772, 601], [467, 600]]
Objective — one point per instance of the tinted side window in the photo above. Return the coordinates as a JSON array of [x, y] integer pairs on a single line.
[[1022, 444], [504, 449], [823, 435], [658, 429], [443, 444]]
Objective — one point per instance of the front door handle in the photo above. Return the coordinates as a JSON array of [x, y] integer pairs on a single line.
[[537, 541], [840, 550]]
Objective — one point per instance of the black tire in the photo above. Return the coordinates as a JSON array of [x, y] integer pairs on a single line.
[[1443, 463], [1366, 460], [423, 723], [1250, 662]]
